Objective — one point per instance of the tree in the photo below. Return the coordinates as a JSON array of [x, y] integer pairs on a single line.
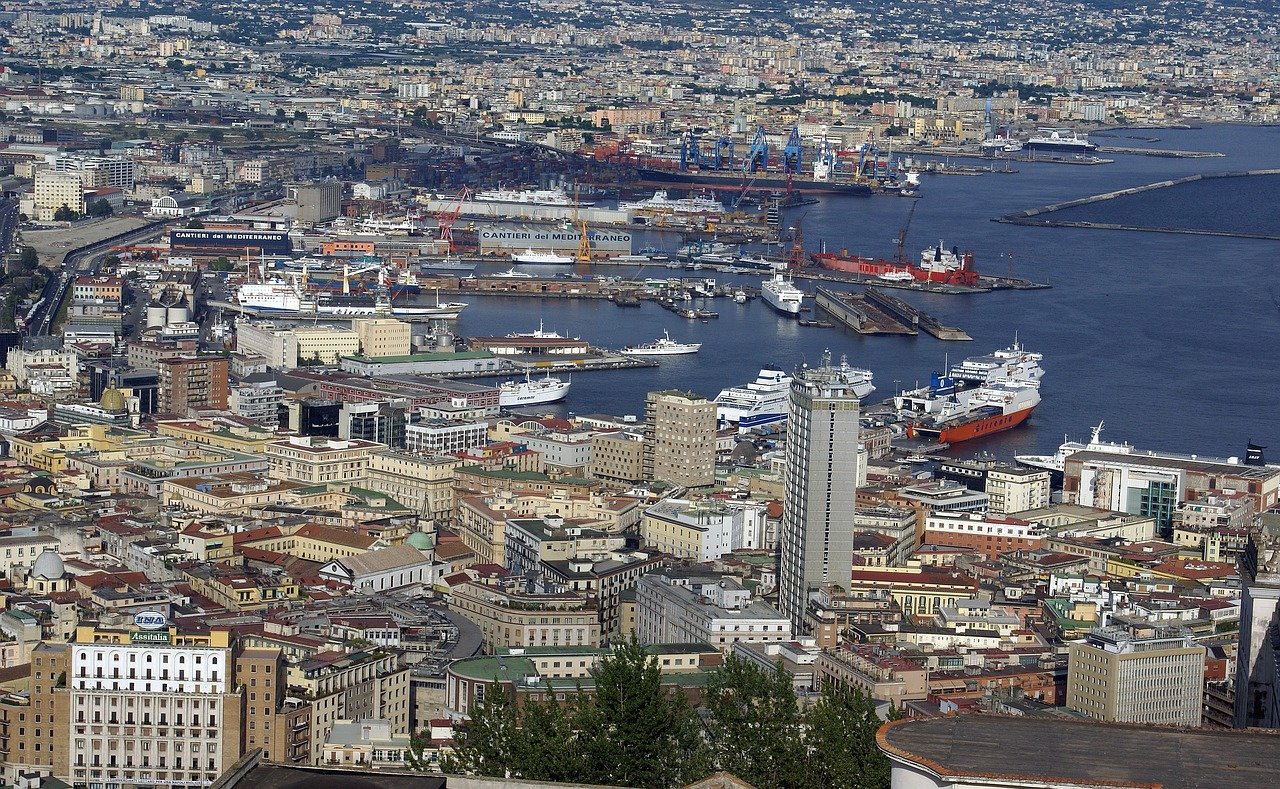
[[64, 214], [195, 224], [636, 734], [753, 724], [483, 745], [299, 116], [220, 264], [100, 208], [842, 742], [280, 114], [548, 746], [215, 135], [29, 258]]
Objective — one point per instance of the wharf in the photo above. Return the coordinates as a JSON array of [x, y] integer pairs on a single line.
[[822, 275], [1010, 156], [597, 360], [855, 312], [1164, 152], [914, 317]]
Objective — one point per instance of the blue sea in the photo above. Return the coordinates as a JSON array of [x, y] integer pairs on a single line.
[[1173, 340]]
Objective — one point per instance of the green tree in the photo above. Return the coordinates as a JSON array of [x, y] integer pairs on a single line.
[[753, 725], [299, 115], [220, 264], [548, 746], [195, 224], [842, 742], [64, 214], [483, 745], [216, 135], [29, 258], [636, 734], [100, 208], [280, 114]]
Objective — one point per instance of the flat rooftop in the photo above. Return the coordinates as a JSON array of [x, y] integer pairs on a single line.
[[1068, 753]]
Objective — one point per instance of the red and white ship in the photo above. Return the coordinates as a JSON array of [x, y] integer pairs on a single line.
[[1002, 396], [937, 264]]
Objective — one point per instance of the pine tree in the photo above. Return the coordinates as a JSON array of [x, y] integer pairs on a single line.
[[842, 742], [485, 744], [548, 745], [754, 727], [636, 734]]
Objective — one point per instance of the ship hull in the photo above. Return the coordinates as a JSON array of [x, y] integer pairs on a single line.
[[751, 182], [529, 396], [870, 267], [969, 429], [1060, 148]]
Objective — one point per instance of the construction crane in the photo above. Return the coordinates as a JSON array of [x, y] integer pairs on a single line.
[[901, 242], [447, 217], [347, 274]]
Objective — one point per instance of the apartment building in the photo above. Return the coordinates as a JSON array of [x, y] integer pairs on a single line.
[[673, 606], [1138, 674], [680, 439], [313, 460], [421, 482], [510, 616], [193, 383]]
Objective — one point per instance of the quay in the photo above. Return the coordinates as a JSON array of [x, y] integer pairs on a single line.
[[597, 360], [914, 317], [855, 312], [1164, 152]]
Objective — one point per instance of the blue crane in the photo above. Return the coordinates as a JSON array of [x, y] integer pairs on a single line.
[[758, 156], [689, 153], [793, 153], [722, 142]]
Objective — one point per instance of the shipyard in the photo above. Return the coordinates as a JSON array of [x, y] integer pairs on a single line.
[[717, 395]]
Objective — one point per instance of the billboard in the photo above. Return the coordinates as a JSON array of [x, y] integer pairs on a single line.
[[518, 239], [271, 242]]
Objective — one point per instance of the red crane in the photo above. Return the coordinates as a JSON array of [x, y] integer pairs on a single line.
[[449, 215]]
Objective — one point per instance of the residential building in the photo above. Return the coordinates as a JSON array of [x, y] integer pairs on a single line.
[[989, 535], [53, 190], [1138, 674], [424, 483], [672, 606], [352, 686], [258, 397], [617, 456], [822, 470], [1257, 690], [680, 439], [276, 344], [193, 383], [512, 616]]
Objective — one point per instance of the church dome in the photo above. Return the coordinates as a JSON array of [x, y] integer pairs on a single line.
[[48, 566], [113, 401], [420, 540]]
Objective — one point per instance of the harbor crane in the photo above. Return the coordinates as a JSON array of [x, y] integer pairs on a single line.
[[449, 215], [758, 155]]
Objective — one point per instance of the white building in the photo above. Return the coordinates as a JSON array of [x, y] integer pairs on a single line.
[[676, 608], [46, 371], [703, 530], [444, 437], [385, 569], [274, 343], [257, 397]]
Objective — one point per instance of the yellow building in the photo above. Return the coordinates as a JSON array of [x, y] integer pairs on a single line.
[[316, 461], [424, 484], [382, 336], [47, 452], [325, 344], [218, 433], [510, 617]]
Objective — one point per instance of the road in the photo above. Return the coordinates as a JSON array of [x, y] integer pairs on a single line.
[[8, 225], [85, 259]]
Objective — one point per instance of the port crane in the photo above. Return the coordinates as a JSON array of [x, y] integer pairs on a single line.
[[449, 215], [347, 274], [901, 242]]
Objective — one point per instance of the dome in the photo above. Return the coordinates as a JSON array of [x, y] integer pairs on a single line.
[[48, 566], [420, 540], [112, 400]]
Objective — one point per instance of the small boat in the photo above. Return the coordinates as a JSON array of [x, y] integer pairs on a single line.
[[916, 459], [663, 346]]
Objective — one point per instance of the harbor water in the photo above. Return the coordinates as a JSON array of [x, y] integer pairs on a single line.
[[1173, 340]]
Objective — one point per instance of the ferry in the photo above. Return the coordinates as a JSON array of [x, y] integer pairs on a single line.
[[530, 392], [1013, 364], [949, 415], [531, 257], [757, 404], [552, 197]]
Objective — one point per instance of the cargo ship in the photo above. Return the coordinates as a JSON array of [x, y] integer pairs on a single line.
[[739, 180], [947, 415], [937, 265]]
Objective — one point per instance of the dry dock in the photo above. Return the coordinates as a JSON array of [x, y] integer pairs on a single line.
[[853, 311], [914, 317]]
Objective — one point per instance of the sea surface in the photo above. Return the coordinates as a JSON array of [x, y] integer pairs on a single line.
[[1173, 340]]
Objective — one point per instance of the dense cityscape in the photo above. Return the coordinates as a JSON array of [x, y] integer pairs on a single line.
[[291, 490]]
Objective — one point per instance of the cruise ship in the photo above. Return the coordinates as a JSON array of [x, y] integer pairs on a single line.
[[279, 296], [1060, 141], [1012, 364], [757, 404], [555, 197], [512, 394], [783, 296], [1058, 460], [662, 203], [663, 346]]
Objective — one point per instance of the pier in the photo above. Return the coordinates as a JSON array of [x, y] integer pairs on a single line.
[[855, 312], [598, 360], [913, 316], [1039, 217]]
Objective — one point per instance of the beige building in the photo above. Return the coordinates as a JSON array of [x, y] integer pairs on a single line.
[[274, 343], [510, 617], [383, 336], [352, 686], [422, 483], [1011, 490], [316, 461], [1140, 674], [617, 456], [53, 190], [325, 344], [680, 439]]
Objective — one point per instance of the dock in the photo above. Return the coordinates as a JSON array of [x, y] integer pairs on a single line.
[[598, 360], [914, 317], [855, 312]]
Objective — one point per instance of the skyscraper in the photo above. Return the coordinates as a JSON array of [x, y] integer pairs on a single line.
[[820, 487]]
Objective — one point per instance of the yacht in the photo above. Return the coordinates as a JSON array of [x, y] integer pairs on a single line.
[[782, 295], [663, 346]]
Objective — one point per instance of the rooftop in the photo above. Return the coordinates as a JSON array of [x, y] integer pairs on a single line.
[[1066, 753]]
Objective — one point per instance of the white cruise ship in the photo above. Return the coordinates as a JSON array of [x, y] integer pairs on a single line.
[[1058, 460], [761, 402], [783, 296], [1014, 364], [855, 377], [662, 203], [663, 346], [527, 197], [512, 394]]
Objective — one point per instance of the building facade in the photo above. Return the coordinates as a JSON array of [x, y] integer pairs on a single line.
[[1139, 674], [680, 439]]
